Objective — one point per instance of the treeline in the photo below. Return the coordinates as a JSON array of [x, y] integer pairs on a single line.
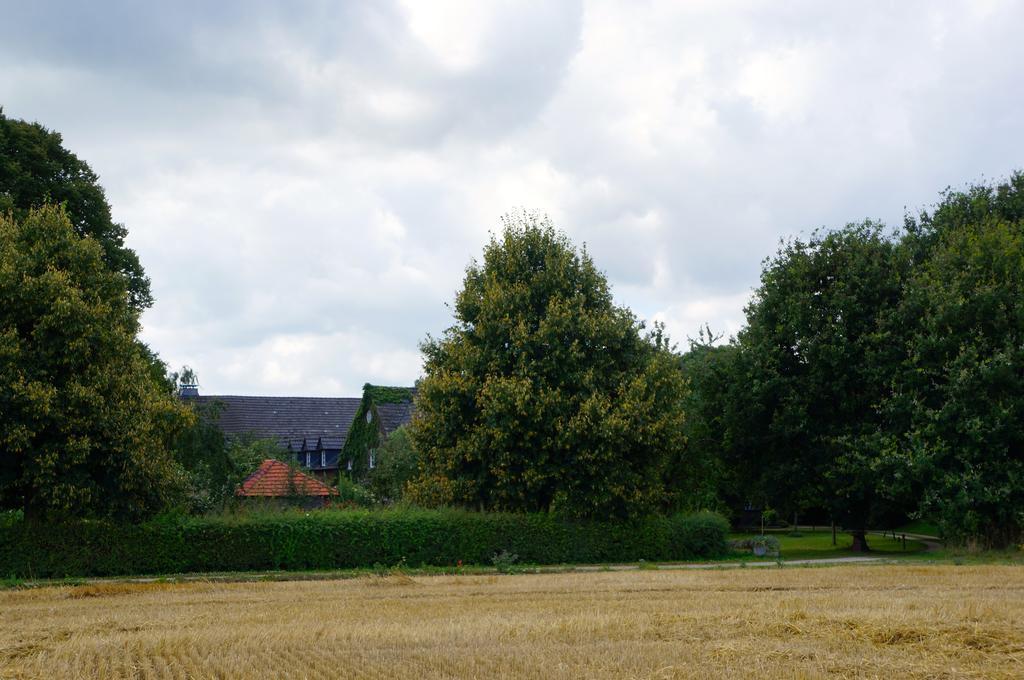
[[880, 375], [878, 378]]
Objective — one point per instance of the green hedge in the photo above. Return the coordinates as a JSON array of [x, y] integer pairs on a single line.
[[346, 539]]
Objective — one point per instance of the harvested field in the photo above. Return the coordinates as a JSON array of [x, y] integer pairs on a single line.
[[857, 621]]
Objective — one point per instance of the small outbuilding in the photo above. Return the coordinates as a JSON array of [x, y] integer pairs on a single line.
[[280, 482]]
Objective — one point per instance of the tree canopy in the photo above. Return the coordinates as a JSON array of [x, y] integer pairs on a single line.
[[879, 375], [36, 169], [959, 397], [821, 358], [545, 395], [713, 471], [85, 427]]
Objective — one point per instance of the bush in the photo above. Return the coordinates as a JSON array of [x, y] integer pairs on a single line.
[[10, 517], [768, 546], [397, 464], [353, 494], [337, 539], [505, 562], [702, 534]]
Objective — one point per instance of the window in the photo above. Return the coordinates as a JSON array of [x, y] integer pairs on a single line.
[[323, 459], [369, 415], [307, 458], [348, 466], [373, 460]]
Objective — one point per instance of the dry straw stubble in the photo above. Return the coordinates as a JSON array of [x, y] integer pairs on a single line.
[[865, 621]]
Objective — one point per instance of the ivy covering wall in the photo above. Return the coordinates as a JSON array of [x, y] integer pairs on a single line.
[[380, 394], [365, 435]]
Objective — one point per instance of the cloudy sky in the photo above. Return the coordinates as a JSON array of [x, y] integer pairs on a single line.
[[305, 182]]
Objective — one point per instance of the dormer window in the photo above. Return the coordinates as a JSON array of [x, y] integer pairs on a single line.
[[369, 415]]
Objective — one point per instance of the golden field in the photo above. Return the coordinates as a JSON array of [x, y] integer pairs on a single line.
[[856, 621]]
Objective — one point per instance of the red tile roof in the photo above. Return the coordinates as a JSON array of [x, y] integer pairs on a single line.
[[276, 479]]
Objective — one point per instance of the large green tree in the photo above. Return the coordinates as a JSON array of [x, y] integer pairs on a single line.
[[708, 473], [36, 169], [820, 354], [959, 396], [545, 395], [84, 427]]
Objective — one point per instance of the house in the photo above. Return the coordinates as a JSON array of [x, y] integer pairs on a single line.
[[326, 434], [382, 410], [275, 480], [313, 428]]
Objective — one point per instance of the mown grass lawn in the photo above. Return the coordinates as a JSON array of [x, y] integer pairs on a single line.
[[818, 545], [919, 526]]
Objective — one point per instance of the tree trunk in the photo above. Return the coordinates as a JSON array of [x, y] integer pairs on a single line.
[[860, 541], [33, 514]]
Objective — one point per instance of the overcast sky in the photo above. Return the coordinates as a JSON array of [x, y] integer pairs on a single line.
[[305, 182]]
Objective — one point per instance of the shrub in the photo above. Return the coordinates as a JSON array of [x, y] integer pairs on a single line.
[[397, 464], [10, 517], [337, 539], [353, 494], [505, 562], [702, 534], [766, 545]]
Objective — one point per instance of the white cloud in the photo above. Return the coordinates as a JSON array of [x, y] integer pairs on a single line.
[[306, 187], [308, 364], [455, 31], [782, 83], [717, 312]]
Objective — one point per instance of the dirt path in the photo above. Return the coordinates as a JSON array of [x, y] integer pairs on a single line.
[[584, 568], [931, 543]]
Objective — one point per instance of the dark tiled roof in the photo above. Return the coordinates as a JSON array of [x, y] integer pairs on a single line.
[[289, 420], [276, 479], [393, 416]]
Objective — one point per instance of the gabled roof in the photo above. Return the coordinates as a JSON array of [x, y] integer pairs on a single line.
[[393, 416], [276, 480], [394, 405], [288, 420]]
